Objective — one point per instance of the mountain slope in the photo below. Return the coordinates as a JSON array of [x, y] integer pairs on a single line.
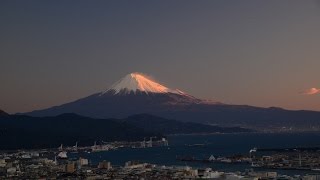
[[111, 105], [40, 132], [133, 94], [168, 126], [266, 119], [137, 94]]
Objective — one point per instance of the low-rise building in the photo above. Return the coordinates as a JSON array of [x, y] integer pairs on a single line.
[[70, 167], [104, 165]]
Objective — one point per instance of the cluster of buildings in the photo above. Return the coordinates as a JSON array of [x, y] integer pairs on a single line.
[[55, 164], [45, 165], [218, 159], [291, 160]]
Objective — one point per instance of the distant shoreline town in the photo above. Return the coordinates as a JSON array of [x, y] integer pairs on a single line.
[[55, 164]]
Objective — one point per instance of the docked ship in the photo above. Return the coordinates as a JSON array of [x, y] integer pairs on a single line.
[[62, 154]]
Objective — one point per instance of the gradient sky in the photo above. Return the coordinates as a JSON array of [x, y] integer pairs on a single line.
[[262, 53]]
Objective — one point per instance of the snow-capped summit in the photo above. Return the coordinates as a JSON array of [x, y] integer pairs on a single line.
[[139, 94], [133, 94], [135, 82]]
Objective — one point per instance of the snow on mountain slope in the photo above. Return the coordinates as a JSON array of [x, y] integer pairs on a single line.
[[134, 82], [138, 94], [133, 94]]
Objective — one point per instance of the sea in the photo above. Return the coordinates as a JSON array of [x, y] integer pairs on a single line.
[[203, 146]]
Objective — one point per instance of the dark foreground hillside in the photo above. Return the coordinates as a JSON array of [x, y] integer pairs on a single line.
[[182, 108], [168, 126], [29, 132], [18, 131]]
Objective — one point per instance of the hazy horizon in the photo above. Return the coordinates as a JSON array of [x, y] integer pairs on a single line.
[[259, 53]]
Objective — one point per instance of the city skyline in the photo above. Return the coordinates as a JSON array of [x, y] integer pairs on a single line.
[[256, 53]]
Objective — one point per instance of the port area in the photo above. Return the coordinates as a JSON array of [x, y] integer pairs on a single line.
[[99, 146], [234, 159], [305, 158], [62, 152]]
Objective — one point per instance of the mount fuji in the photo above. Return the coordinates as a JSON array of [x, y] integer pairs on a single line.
[[139, 84], [133, 94], [137, 93]]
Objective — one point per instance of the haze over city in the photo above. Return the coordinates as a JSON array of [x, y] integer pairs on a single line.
[[260, 53]]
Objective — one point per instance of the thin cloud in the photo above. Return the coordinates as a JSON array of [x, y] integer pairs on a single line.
[[311, 91]]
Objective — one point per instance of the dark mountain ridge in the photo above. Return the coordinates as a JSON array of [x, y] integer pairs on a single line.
[[20, 131], [39, 132], [178, 107], [168, 126], [137, 93]]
